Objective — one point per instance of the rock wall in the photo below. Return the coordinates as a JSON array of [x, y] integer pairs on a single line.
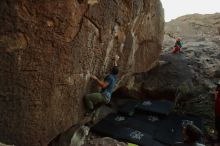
[[49, 48]]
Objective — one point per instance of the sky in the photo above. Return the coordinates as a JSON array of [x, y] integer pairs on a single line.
[[176, 8]]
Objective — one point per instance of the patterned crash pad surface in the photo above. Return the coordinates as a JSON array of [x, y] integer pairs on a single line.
[[162, 107], [159, 107], [117, 131], [169, 130], [146, 128]]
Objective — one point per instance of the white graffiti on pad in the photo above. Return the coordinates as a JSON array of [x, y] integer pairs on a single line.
[[153, 118], [136, 135], [119, 118], [186, 122], [147, 103]]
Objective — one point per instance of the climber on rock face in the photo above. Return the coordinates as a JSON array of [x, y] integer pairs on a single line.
[[107, 86], [217, 111], [178, 45]]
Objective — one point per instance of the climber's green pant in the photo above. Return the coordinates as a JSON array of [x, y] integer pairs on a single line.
[[94, 99]]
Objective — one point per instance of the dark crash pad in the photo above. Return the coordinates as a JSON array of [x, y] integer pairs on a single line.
[[115, 130], [105, 128], [161, 107], [128, 108], [170, 129], [138, 137], [148, 127], [149, 118]]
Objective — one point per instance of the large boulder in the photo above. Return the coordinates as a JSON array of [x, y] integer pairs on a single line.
[[164, 81], [48, 49]]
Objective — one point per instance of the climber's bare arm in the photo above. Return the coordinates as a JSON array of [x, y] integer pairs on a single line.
[[102, 84], [116, 60]]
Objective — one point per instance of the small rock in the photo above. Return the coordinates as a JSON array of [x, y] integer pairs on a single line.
[[50, 23], [79, 136], [92, 2], [1, 144]]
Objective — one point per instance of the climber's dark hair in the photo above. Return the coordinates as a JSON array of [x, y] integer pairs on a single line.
[[115, 70]]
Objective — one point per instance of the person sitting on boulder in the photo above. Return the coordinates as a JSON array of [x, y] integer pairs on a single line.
[[178, 45], [107, 86], [191, 135], [217, 111]]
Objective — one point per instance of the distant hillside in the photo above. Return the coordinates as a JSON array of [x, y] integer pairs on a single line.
[[194, 25]]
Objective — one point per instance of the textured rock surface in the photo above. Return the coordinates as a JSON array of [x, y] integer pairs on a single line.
[[49, 48]]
